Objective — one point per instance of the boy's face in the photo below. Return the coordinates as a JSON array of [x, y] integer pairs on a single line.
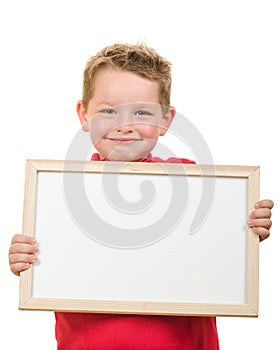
[[124, 116]]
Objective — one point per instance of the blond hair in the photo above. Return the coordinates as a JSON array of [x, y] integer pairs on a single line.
[[139, 59]]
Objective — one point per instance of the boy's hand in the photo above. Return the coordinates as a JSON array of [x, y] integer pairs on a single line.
[[22, 253], [259, 219]]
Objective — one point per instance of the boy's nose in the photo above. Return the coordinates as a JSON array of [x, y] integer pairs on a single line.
[[125, 128], [125, 123]]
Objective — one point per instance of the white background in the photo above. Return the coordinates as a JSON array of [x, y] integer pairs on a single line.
[[225, 80]]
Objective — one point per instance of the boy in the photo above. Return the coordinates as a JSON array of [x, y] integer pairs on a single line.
[[125, 93]]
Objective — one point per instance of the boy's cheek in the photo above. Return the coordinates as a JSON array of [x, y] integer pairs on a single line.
[[149, 132], [98, 129]]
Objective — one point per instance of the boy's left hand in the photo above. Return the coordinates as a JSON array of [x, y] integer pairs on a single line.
[[259, 219]]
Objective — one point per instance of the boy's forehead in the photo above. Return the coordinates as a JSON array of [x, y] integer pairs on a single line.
[[117, 73], [117, 87]]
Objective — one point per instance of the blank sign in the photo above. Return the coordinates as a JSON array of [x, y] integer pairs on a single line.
[[141, 238]]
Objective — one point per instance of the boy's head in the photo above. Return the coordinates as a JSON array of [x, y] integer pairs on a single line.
[[125, 104], [138, 59]]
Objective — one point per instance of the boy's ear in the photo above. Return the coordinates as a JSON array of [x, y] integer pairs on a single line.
[[81, 111], [167, 120]]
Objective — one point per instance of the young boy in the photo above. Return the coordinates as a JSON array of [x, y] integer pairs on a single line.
[[125, 108]]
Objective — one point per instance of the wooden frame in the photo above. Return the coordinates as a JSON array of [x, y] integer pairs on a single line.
[[33, 293]]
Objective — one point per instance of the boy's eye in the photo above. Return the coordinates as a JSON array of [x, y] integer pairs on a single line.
[[143, 113], [108, 111]]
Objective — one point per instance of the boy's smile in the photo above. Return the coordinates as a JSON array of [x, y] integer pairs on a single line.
[[123, 140], [124, 116]]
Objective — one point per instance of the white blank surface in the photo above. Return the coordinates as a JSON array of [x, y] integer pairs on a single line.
[[206, 267]]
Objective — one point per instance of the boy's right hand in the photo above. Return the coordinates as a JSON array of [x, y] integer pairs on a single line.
[[22, 253]]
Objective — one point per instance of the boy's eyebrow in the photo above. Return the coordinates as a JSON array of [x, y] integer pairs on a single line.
[[139, 104], [105, 103]]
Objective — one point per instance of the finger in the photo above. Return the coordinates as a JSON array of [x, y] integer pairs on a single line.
[[262, 232], [18, 238], [265, 223], [22, 258], [18, 267], [23, 248], [265, 203], [260, 213]]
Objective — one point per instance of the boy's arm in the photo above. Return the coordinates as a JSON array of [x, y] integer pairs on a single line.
[[22, 253], [259, 219]]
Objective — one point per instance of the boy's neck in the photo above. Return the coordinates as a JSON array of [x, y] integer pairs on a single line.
[[96, 156]]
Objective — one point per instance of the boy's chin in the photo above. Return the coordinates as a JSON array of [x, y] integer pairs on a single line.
[[116, 157]]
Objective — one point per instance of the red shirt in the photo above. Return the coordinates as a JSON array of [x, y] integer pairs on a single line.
[[89, 331]]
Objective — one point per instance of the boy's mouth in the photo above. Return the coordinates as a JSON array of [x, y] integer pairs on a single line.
[[123, 140]]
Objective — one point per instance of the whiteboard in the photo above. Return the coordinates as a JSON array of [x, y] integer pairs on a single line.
[[130, 238]]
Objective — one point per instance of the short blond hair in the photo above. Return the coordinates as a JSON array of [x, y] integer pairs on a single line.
[[139, 59]]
